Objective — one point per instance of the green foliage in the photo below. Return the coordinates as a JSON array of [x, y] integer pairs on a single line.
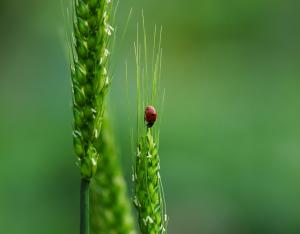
[[90, 79]]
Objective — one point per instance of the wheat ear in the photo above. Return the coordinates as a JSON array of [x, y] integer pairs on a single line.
[[148, 192], [90, 82], [111, 211]]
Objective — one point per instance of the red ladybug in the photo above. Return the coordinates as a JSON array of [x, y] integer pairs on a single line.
[[150, 116]]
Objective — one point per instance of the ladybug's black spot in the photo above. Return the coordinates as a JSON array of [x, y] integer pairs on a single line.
[[150, 124]]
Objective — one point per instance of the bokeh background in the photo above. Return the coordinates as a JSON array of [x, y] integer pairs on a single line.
[[230, 137]]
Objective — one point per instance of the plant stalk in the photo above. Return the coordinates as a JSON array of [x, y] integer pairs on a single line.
[[84, 207]]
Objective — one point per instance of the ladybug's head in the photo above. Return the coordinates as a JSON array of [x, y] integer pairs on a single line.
[[150, 116]]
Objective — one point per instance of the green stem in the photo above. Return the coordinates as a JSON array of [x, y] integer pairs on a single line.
[[84, 206]]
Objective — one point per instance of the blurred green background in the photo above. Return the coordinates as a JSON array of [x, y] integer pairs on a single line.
[[230, 152]]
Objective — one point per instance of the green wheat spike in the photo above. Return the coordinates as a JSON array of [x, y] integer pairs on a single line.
[[89, 78], [90, 82], [111, 210], [148, 191]]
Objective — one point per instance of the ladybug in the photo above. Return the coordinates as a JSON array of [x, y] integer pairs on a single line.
[[150, 116]]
